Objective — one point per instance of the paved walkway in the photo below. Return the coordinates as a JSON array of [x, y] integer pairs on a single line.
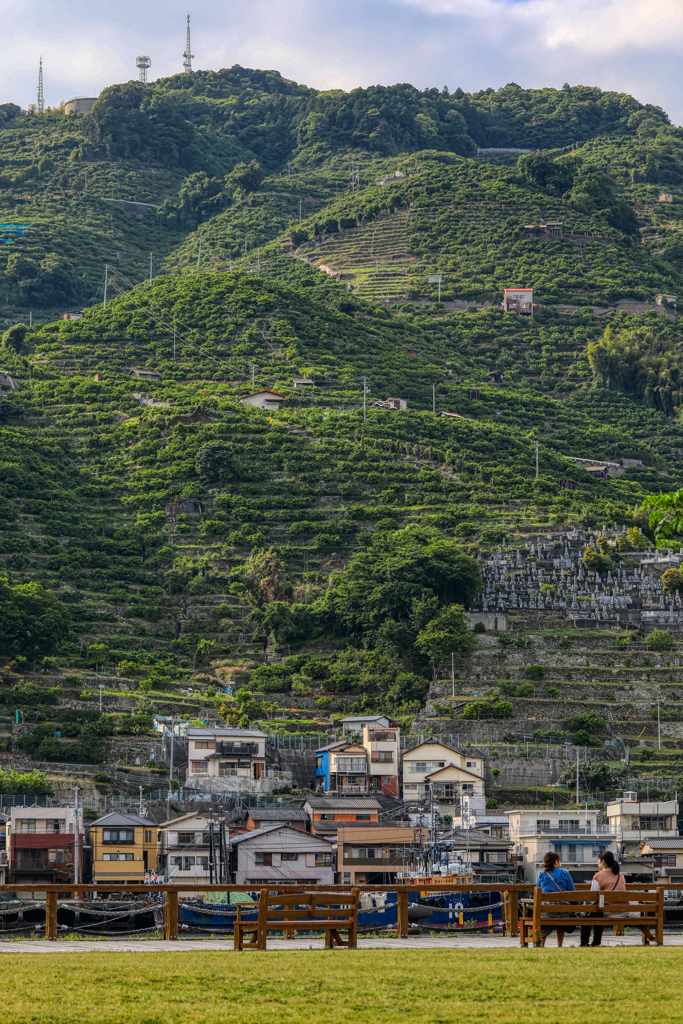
[[223, 945]]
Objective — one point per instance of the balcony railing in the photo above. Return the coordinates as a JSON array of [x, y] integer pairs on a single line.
[[349, 790]]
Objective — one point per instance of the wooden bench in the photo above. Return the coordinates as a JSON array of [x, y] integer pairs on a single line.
[[331, 912], [637, 908]]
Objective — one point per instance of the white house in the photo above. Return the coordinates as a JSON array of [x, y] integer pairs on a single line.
[[264, 400], [183, 848], [518, 300], [632, 820], [231, 760], [282, 854], [420, 764], [578, 836]]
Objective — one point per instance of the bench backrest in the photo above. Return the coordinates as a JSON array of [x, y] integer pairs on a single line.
[[308, 906], [585, 900]]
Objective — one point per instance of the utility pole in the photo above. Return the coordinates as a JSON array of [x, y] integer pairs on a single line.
[[174, 342], [106, 279], [537, 460], [452, 674], [365, 391], [245, 245], [434, 399], [77, 837], [289, 168], [253, 372], [140, 788], [101, 688], [30, 319], [151, 267], [577, 775], [170, 774], [199, 254], [300, 203], [258, 262]]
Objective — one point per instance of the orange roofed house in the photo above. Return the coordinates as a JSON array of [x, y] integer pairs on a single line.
[[270, 400]]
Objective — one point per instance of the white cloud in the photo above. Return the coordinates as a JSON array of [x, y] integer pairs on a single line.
[[629, 45]]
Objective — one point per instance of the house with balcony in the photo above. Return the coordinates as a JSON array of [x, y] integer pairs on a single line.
[[421, 762], [474, 850], [633, 820], [231, 761], [373, 854], [342, 768], [42, 844], [354, 724], [449, 785], [183, 848], [579, 837], [326, 813], [124, 848], [281, 854], [473, 814], [383, 749]]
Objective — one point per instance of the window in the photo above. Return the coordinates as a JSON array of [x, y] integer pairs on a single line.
[[27, 824], [471, 764], [148, 835], [227, 767], [382, 736], [184, 863], [185, 838], [117, 856], [200, 768], [319, 762], [351, 764], [31, 858], [649, 823], [286, 855], [363, 817], [569, 824], [665, 860], [55, 857], [347, 878], [204, 745], [542, 824], [384, 756], [366, 852], [263, 858], [425, 766], [203, 862], [467, 787], [118, 835], [55, 825], [327, 817], [323, 860]]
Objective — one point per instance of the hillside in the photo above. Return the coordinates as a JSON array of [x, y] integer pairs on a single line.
[[322, 556]]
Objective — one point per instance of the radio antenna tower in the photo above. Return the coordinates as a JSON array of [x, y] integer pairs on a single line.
[[188, 55], [143, 64], [41, 98]]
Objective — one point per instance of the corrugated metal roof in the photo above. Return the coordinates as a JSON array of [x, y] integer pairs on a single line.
[[475, 838], [264, 831], [209, 733], [343, 803], [278, 814]]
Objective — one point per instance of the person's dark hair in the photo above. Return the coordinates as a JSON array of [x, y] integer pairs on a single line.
[[550, 861], [610, 861]]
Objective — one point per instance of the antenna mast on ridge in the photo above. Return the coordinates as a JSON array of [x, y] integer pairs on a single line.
[[41, 98], [143, 64], [188, 55]]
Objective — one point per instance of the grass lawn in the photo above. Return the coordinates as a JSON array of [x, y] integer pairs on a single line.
[[571, 986]]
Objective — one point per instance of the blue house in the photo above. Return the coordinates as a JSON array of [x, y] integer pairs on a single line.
[[342, 768]]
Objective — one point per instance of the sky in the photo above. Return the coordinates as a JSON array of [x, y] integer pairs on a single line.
[[632, 46]]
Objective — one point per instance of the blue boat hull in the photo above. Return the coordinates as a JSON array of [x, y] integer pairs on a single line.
[[456, 910]]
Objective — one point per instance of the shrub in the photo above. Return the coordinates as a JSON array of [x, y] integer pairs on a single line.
[[526, 690], [534, 671], [659, 640], [589, 722], [582, 738], [479, 627]]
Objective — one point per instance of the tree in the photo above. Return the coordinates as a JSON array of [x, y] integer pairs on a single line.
[[147, 530], [401, 570], [672, 581], [666, 516], [215, 463], [593, 776], [447, 634], [15, 337], [265, 576], [594, 561], [245, 177], [33, 622], [659, 640]]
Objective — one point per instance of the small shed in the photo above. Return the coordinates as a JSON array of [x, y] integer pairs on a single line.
[[72, 314], [303, 382], [264, 400], [473, 394], [185, 507], [146, 374], [496, 377], [665, 197]]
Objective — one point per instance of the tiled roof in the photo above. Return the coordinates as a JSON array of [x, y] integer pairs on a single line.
[[115, 820], [475, 838], [661, 843], [264, 831]]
